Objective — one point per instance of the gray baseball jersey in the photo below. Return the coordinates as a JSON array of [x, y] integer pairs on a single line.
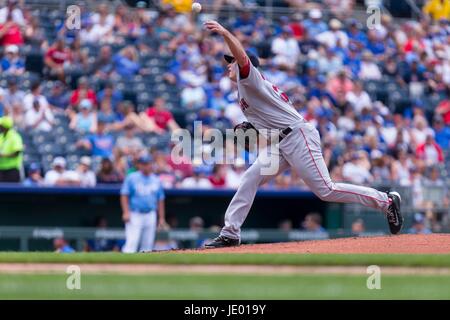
[[267, 107], [264, 105]]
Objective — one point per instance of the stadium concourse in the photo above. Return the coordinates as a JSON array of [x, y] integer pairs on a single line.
[[88, 102]]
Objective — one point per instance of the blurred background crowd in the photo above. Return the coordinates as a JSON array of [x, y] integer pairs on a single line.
[[83, 104]]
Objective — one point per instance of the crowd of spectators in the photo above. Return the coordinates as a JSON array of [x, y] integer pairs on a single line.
[[331, 66]]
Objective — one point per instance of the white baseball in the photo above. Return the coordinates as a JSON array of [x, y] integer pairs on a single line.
[[196, 7]]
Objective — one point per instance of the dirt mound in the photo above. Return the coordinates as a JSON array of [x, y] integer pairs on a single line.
[[433, 243]]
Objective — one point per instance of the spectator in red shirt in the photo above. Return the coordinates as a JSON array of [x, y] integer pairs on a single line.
[[180, 164], [217, 178], [443, 109], [414, 41], [340, 84], [55, 59], [82, 92], [430, 151], [297, 27], [161, 118], [10, 32]]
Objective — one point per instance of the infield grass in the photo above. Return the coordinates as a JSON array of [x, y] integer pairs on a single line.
[[207, 286], [414, 260]]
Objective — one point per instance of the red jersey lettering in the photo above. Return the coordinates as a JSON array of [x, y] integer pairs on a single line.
[[282, 94], [244, 105]]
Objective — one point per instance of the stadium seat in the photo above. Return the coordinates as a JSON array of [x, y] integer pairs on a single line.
[[129, 95], [398, 101], [51, 148], [42, 137], [34, 62]]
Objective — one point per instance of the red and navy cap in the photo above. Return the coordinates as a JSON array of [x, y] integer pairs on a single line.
[[253, 59]]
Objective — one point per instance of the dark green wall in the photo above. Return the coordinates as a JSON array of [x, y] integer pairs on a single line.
[[72, 210]]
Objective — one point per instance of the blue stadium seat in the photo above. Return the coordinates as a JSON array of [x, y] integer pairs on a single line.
[[51, 148], [41, 137], [34, 62]]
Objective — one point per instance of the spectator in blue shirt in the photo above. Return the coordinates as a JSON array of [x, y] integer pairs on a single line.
[[355, 35], [84, 121], [196, 225], [375, 45], [418, 226], [417, 107], [61, 246], [245, 22], [106, 113], [217, 101], [11, 63], [34, 178], [58, 97], [292, 81], [109, 95], [314, 24], [311, 74], [320, 91], [352, 59], [313, 223], [99, 144], [102, 244], [442, 133], [126, 62]]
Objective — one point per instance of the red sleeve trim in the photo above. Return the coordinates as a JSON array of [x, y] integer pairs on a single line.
[[244, 71]]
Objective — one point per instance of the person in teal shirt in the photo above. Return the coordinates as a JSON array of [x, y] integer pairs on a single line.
[[142, 202]]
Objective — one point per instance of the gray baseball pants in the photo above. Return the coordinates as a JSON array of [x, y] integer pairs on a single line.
[[300, 150]]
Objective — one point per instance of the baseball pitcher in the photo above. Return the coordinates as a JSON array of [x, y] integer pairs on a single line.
[[268, 108]]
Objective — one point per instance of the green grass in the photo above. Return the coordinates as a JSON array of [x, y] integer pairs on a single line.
[[225, 286], [170, 286], [416, 260]]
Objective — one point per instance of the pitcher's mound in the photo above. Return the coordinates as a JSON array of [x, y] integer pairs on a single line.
[[408, 243]]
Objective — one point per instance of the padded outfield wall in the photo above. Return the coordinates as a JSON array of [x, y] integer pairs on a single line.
[[79, 207]]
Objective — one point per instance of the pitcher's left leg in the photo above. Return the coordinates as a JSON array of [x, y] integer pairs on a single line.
[[313, 170], [304, 154]]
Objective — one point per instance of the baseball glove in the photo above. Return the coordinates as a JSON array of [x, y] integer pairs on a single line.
[[242, 128], [245, 126]]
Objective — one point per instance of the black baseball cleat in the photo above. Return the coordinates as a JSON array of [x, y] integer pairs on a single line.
[[221, 242], [393, 215]]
